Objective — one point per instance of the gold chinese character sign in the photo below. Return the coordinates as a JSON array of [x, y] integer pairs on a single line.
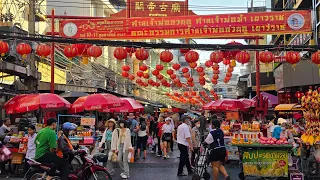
[[200, 26]]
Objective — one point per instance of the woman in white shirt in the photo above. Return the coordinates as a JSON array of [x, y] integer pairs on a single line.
[[143, 131], [167, 136], [121, 145]]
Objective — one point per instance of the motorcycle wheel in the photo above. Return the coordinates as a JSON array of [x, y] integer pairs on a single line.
[[100, 175]]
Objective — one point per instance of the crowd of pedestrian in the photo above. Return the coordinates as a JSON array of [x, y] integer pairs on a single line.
[[135, 134]]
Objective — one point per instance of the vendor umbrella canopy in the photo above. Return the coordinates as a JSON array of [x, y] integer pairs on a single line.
[[10, 105], [228, 105], [272, 99], [44, 102], [208, 106], [248, 103], [95, 102], [130, 105]]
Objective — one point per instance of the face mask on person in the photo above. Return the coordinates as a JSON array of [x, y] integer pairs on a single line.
[[121, 125], [198, 125]]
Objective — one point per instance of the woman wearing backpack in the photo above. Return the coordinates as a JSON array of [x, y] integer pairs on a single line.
[[143, 132]]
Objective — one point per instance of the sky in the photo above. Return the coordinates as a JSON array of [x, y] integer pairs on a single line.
[[205, 7]]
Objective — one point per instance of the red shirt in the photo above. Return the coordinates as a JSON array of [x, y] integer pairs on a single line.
[[159, 126]]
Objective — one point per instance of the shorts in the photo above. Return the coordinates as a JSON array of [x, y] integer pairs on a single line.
[[167, 135], [142, 143], [218, 155]]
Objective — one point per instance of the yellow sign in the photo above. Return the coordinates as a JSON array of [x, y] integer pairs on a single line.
[[88, 121]]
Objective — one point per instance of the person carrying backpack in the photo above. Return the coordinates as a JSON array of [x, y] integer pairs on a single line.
[[132, 124], [143, 132]]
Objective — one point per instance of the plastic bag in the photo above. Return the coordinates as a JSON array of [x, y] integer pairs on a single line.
[[130, 157], [155, 140], [150, 140]]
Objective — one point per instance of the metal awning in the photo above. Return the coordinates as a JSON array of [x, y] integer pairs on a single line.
[[288, 107]]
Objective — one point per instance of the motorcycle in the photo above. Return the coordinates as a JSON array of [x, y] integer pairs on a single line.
[[88, 170]]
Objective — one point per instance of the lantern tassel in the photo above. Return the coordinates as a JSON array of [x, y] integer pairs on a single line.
[[294, 66]]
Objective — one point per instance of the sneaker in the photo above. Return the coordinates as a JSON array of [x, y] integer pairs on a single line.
[[158, 155], [168, 156], [152, 152], [228, 178], [124, 176], [164, 157]]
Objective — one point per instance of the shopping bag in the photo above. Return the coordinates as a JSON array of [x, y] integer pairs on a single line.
[[114, 157], [130, 157], [155, 140], [5, 154], [149, 142]]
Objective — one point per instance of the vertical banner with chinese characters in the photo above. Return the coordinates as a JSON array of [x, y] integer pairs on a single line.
[[158, 8], [265, 163]]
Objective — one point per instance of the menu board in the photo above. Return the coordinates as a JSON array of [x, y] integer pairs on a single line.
[[85, 121]]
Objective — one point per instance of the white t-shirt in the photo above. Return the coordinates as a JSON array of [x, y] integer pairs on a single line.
[[183, 133], [167, 128], [270, 129]]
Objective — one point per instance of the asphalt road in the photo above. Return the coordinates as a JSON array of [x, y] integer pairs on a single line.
[[156, 168]]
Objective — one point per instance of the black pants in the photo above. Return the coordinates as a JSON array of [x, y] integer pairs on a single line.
[[61, 164], [184, 159], [142, 143], [159, 146]]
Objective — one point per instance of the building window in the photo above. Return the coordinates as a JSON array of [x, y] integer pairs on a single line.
[[219, 89], [229, 89]]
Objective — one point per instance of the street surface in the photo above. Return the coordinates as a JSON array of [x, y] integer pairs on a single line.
[[155, 168]]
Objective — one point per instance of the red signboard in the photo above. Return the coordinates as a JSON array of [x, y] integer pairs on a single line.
[[158, 8], [200, 26]]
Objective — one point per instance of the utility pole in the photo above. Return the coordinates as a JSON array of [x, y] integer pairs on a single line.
[[32, 81]]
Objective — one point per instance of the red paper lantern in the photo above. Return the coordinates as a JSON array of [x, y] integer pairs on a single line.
[[130, 50], [94, 51], [150, 81], [315, 58], [173, 76], [215, 76], [298, 95], [143, 67], [184, 50], [214, 81], [23, 49], [138, 81], [131, 77], [200, 69], [191, 84], [193, 93], [228, 74], [202, 74], [4, 48], [217, 57], [42, 50], [142, 54], [155, 72], [190, 79], [166, 56], [226, 61], [170, 71], [216, 71], [126, 68], [266, 57], [120, 53], [227, 78], [191, 56], [231, 54], [176, 66], [201, 78], [82, 49], [185, 70], [243, 57], [293, 57], [157, 84], [160, 76], [208, 63], [125, 74], [139, 73], [159, 67], [176, 81], [193, 65], [146, 75], [230, 69], [70, 51], [215, 67], [186, 75], [163, 81], [202, 83]]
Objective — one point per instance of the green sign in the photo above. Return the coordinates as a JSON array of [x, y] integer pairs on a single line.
[[265, 163]]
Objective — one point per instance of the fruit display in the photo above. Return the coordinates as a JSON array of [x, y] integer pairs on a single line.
[[311, 102], [253, 127], [273, 141]]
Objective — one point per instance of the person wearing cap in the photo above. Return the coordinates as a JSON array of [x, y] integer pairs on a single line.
[[184, 142], [105, 143], [276, 130], [167, 136]]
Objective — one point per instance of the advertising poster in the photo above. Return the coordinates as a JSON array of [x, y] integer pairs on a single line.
[[265, 163], [233, 153]]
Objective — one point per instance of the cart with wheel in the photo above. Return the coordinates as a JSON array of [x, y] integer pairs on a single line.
[[266, 161], [201, 165]]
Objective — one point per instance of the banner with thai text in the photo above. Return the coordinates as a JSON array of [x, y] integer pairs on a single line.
[[200, 26], [265, 163]]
